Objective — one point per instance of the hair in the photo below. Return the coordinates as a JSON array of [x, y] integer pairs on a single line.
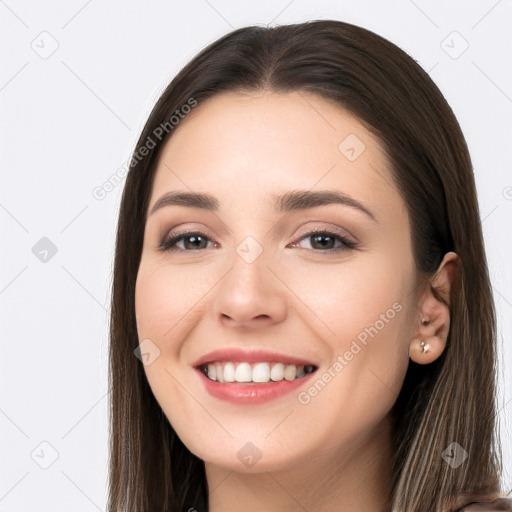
[[450, 400]]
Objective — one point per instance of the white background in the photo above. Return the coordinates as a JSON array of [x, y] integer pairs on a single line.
[[69, 121]]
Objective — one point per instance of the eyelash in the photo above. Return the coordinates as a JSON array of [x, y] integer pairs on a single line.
[[169, 244]]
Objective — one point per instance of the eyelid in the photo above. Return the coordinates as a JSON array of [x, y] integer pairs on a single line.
[[344, 233], [190, 227]]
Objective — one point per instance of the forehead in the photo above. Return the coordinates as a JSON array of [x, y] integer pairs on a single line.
[[249, 146]]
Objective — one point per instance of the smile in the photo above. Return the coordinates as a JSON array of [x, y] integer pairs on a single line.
[[261, 372]]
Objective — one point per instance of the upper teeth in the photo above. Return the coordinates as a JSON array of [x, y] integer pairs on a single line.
[[258, 372]]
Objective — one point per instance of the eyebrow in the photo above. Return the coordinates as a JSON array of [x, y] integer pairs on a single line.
[[290, 201]]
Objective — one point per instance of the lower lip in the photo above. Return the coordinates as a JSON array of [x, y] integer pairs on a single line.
[[251, 393]]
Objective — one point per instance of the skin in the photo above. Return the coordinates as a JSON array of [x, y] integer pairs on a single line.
[[333, 453]]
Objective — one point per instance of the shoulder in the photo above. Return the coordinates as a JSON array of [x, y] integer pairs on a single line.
[[499, 504]]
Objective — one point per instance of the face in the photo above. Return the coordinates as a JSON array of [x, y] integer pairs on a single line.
[[252, 281]]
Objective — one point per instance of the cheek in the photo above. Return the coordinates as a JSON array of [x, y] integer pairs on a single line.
[[151, 300], [362, 311], [165, 303], [169, 299], [349, 297], [367, 315], [161, 298]]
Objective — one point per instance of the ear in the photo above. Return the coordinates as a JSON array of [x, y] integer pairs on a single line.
[[433, 324]]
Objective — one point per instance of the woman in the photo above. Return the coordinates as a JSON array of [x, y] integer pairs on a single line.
[[276, 371]]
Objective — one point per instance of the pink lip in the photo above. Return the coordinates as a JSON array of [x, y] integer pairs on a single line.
[[250, 394], [238, 355]]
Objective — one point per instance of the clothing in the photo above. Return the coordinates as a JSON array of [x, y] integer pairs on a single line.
[[499, 504]]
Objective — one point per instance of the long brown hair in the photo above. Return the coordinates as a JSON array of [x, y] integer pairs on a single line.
[[450, 400]]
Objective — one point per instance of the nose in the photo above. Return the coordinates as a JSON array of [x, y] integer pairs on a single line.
[[250, 295]]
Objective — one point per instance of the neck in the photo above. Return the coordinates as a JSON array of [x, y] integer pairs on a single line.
[[357, 477]]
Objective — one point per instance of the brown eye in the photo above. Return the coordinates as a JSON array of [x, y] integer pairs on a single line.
[[193, 241], [326, 241]]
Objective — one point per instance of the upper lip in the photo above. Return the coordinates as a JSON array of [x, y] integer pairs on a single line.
[[249, 356]]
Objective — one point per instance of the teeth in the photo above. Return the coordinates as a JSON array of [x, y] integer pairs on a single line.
[[258, 372], [277, 372], [229, 372], [243, 373], [219, 373], [289, 372]]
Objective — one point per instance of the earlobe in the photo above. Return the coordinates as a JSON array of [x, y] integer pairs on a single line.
[[434, 313], [426, 350]]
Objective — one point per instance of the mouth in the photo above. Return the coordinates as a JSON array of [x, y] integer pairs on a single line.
[[246, 377], [254, 373]]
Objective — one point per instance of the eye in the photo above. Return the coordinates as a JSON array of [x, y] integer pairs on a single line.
[[323, 240], [196, 239]]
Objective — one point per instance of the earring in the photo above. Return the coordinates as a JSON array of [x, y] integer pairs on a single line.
[[425, 346]]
